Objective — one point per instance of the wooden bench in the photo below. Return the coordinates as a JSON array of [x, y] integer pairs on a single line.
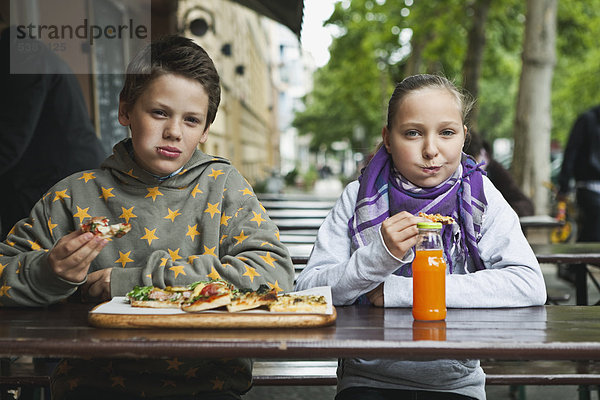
[[323, 372]]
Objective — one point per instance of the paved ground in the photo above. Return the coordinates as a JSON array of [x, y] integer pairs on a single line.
[[555, 287]]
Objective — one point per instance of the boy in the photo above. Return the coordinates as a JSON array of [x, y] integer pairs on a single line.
[[193, 217]]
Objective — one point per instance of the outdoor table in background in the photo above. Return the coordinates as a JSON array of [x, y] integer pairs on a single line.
[[579, 255]]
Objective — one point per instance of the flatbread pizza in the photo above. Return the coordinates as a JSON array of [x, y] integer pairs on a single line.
[[219, 294]]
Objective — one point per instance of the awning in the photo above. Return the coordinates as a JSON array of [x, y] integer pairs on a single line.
[[286, 12]]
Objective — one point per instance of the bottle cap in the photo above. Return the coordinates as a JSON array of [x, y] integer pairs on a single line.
[[429, 225]]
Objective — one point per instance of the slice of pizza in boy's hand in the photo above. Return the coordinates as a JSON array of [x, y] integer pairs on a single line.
[[100, 227]]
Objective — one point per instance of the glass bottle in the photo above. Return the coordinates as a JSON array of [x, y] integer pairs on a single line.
[[429, 274]]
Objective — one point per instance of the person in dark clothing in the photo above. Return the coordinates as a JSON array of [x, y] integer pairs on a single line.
[[500, 176], [581, 163], [45, 128]]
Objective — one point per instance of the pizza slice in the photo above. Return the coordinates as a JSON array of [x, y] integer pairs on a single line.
[[247, 299], [100, 227], [208, 296], [437, 218], [299, 303], [153, 297]]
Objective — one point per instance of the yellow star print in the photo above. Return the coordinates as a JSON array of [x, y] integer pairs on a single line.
[[240, 238], [192, 231], [246, 191], [191, 373], [257, 218], [168, 383], [195, 191], [82, 214], [34, 245], [174, 254], [214, 274], [215, 173], [209, 251], [268, 259], [262, 208], [212, 209], [266, 243], [191, 259], [117, 381], [222, 238], [217, 384], [153, 192], [87, 176], [106, 193], [130, 173], [250, 273], [63, 368], [73, 383], [174, 364], [275, 286], [163, 262], [178, 269], [4, 291], [149, 236], [225, 220], [127, 213], [60, 195], [124, 258], [172, 214], [51, 226], [2, 266]]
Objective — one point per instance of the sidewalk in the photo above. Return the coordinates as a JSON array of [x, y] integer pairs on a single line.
[[554, 286]]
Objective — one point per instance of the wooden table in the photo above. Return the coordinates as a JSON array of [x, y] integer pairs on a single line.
[[532, 333], [580, 255]]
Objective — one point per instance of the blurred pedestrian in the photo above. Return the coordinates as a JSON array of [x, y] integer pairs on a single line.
[[45, 128], [500, 176], [581, 163]]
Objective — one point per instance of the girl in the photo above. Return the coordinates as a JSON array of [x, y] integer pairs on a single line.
[[364, 248]]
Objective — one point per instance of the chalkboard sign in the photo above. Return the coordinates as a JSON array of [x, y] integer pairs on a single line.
[[109, 70]]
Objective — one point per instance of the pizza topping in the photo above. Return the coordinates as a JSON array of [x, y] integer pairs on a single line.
[[99, 226], [299, 303], [437, 218], [208, 295]]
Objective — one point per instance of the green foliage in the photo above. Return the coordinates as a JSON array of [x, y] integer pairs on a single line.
[[381, 38], [576, 83]]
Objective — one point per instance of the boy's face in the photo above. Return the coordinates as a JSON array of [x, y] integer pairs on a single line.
[[427, 137], [167, 122]]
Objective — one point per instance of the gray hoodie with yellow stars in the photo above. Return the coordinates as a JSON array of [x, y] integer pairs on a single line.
[[203, 222]]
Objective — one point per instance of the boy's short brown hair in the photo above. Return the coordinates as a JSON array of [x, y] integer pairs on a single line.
[[172, 55]]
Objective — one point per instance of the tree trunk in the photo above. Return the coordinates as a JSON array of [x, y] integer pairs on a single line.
[[531, 156], [474, 57]]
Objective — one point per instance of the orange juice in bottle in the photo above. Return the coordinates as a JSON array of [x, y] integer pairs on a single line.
[[429, 274]]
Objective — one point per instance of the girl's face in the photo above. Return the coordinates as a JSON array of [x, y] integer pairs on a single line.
[[427, 136], [167, 122]]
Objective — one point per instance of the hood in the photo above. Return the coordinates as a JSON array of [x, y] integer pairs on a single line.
[[122, 166]]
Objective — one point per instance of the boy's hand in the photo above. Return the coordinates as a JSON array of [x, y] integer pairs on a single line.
[[71, 257], [97, 286], [400, 233]]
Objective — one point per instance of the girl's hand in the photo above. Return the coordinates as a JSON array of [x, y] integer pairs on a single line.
[[97, 287], [71, 257], [375, 296], [400, 233]]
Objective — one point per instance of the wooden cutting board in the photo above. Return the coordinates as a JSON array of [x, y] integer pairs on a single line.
[[212, 320]]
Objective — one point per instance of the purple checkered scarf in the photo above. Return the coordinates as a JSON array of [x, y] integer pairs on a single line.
[[384, 192]]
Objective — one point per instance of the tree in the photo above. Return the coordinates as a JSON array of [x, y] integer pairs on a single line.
[[533, 120], [474, 59]]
